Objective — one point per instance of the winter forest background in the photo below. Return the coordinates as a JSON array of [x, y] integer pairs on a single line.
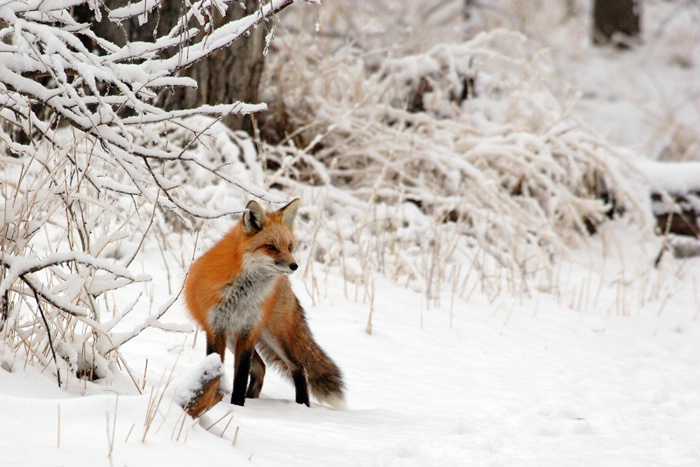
[[497, 238]]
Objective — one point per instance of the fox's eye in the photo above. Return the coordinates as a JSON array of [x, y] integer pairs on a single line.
[[291, 247], [271, 247]]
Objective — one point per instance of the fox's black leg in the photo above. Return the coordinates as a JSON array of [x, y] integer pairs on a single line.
[[301, 386], [257, 376], [298, 376], [240, 376], [243, 353]]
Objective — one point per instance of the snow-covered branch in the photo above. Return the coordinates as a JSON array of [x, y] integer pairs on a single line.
[[48, 76], [90, 170]]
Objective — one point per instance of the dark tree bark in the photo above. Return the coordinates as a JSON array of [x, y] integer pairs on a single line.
[[467, 7], [616, 22], [229, 75]]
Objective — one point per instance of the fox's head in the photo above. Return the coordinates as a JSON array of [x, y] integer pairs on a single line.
[[270, 238]]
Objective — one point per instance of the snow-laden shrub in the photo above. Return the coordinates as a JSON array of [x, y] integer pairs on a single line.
[[83, 172], [463, 157]]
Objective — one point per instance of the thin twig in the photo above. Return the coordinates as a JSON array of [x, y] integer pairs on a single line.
[[48, 333]]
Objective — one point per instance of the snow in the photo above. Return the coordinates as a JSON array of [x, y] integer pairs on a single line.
[[592, 363], [673, 177], [534, 381], [188, 386], [221, 37], [133, 9]]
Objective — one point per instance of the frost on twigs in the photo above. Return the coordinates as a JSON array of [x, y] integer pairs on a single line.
[[85, 162], [460, 162], [199, 391]]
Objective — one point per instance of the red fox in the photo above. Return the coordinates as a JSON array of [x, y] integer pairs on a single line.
[[239, 293]]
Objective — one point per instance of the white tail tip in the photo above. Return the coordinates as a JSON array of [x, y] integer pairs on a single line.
[[334, 402]]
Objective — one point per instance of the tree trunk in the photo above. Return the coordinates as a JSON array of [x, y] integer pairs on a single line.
[[228, 75], [467, 7], [616, 22]]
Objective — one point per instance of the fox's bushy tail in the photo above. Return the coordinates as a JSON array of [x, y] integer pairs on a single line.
[[324, 378]]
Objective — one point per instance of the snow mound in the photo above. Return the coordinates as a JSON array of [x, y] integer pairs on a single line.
[[190, 385]]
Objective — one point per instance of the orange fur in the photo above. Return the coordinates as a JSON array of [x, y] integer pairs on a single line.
[[238, 292]]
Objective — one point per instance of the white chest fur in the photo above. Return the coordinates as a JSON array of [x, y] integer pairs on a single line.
[[241, 308]]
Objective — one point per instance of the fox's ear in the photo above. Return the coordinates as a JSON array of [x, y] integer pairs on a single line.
[[253, 218], [289, 213]]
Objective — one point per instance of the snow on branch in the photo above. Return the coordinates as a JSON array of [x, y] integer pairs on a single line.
[[90, 171], [18, 266], [467, 155], [107, 92], [220, 37]]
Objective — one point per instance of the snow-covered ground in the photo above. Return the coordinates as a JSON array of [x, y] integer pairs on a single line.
[[604, 373], [598, 366]]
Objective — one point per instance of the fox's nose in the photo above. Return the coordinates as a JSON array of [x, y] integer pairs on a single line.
[[293, 266]]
